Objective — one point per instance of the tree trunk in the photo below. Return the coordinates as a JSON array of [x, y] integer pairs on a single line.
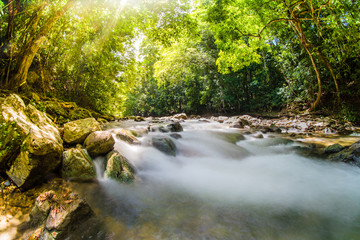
[[317, 101], [328, 65], [32, 47]]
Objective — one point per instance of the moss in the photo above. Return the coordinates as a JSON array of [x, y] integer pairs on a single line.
[[10, 140]]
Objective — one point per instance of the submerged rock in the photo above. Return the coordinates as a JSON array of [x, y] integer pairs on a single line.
[[165, 145], [99, 143], [119, 168], [77, 165], [230, 137], [175, 135], [77, 131], [30, 143], [267, 142]]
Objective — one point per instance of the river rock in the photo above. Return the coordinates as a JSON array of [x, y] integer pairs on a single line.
[[139, 119], [77, 131], [349, 155], [230, 137], [99, 143], [165, 145], [180, 116], [241, 123], [31, 146], [56, 215], [158, 128], [175, 127], [335, 148], [126, 135], [119, 168], [77, 165]]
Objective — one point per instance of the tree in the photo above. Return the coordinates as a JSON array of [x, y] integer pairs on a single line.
[[244, 27], [34, 35]]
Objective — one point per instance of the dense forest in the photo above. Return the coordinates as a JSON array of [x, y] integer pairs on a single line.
[[158, 57]]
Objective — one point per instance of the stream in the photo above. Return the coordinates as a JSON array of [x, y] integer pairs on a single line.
[[225, 185]]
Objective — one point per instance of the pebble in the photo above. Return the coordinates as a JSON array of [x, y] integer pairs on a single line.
[[7, 183]]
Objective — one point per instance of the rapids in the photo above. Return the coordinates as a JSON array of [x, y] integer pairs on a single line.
[[222, 185]]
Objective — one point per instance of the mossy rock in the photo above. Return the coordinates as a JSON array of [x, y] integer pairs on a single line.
[[77, 165], [119, 168], [31, 144], [165, 145], [99, 143], [77, 131]]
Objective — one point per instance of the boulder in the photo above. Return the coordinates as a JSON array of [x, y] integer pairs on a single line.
[[350, 154], [57, 215], [175, 135], [125, 135], [139, 119], [99, 143], [77, 165], [158, 128], [231, 137], [119, 168], [77, 131], [31, 145], [165, 145], [334, 148], [258, 136], [180, 116], [175, 127], [240, 124]]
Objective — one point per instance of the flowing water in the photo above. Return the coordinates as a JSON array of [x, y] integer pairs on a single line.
[[221, 185]]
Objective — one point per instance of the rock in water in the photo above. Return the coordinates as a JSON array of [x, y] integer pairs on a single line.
[[175, 127], [99, 143], [126, 135], [180, 116], [349, 155], [165, 145], [31, 146], [77, 165], [119, 168], [77, 131], [335, 148]]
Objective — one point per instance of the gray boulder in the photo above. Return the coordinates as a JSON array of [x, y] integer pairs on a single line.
[[77, 131], [99, 143]]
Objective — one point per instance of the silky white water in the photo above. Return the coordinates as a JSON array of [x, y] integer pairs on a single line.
[[220, 187]]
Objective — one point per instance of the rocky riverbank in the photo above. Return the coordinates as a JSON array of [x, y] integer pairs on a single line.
[[34, 152], [46, 144]]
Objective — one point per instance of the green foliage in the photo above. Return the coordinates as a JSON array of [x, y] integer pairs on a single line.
[[10, 138], [160, 57]]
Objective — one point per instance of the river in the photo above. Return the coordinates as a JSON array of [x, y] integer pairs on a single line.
[[225, 185]]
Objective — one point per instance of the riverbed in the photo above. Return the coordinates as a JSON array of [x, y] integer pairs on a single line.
[[224, 183]]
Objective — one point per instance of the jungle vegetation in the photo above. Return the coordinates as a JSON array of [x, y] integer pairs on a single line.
[[158, 57]]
